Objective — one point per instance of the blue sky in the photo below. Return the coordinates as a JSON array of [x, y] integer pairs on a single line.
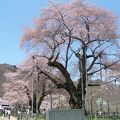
[[14, 14]]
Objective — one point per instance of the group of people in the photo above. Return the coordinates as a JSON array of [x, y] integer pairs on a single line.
[[7, 113]]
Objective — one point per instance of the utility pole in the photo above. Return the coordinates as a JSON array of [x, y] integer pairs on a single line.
[[59, 102], [83, 72], [32, 96], [51, 97], [91, 103], [51, 100], [116, 97], [32, 84], [101, 106]]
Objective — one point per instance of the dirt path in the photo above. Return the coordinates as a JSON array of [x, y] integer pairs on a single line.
[[4, 118]]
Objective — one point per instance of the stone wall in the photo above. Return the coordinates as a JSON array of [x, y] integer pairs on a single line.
[[74, 114]]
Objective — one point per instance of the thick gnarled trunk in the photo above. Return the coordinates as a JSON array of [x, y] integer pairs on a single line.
[[75, 100]]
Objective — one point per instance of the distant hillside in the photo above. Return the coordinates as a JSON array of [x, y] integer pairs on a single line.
[[5, 68]]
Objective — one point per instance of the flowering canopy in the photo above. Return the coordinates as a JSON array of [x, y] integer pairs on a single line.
[[74, 32]]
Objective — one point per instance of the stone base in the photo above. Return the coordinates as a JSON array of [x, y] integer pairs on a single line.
[[74, 114]]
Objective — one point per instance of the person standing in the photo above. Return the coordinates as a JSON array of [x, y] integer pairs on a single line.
[[5, 112], [9, 114]]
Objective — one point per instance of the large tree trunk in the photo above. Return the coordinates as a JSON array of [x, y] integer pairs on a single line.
[[75, 94], [76, 102]]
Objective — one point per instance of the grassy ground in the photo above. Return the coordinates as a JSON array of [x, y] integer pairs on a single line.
[[112, 118], [38, 117], [41, 117], [105, 118]]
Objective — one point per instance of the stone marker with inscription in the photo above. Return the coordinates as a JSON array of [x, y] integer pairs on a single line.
[[74, 114]]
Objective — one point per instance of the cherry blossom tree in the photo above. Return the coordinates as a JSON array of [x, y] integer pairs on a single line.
[[73, 33], [13, 88], [39, 86]]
